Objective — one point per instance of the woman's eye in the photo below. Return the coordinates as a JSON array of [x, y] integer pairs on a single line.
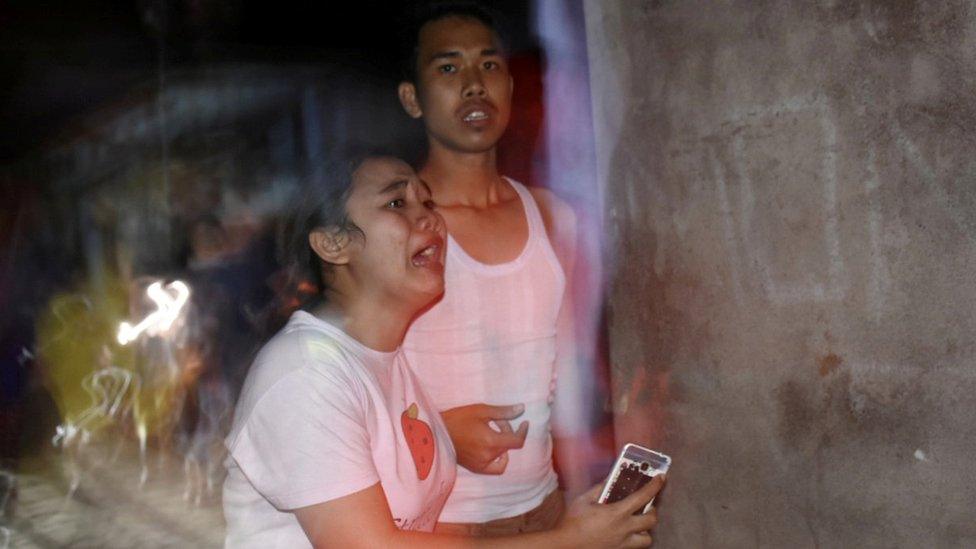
[[447, 68], [491, 65], [430, 204], [396, 203]]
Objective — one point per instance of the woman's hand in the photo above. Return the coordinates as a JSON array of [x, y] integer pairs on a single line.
[[613, 525], [479, 447]]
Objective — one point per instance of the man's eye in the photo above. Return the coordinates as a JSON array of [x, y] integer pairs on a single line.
[[491, 65], [396, 203], [447, 68]]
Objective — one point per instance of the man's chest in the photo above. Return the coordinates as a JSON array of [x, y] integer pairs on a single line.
[[489, 235]]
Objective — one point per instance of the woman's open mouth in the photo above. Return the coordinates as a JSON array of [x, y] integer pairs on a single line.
[[427, 256]]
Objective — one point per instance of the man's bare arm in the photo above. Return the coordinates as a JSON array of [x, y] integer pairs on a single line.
[[572, 436]]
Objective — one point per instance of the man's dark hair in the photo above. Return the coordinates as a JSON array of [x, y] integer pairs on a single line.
[[428, 12]]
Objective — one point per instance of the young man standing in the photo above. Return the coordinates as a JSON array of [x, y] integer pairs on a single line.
[[503, 328]]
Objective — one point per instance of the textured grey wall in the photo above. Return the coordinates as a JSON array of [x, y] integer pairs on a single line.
[[790, 194]]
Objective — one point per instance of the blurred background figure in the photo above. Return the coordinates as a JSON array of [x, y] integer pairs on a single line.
[[155, 144]]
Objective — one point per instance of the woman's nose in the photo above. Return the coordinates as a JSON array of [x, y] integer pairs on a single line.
[[429, 220]]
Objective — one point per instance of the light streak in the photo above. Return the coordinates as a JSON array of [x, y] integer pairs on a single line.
[[160, 320]]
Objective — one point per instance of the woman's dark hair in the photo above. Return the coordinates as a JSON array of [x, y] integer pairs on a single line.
[[322, 203], [427, 12]]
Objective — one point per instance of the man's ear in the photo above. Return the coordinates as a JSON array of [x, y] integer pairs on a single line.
[[330, 244], [408, 99]]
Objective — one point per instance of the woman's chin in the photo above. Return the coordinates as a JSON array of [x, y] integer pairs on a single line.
[[434, 291], [420, 293], [430, 292]]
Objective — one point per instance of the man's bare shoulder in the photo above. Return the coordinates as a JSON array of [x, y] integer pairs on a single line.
[[560, 220], [557, 213]]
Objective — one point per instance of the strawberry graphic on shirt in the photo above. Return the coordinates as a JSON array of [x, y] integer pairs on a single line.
[[420, 440]]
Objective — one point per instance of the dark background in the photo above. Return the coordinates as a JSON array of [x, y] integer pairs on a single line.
[[62, 59], [125, 125]]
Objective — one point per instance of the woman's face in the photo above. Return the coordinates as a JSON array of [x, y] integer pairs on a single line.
[[401, 250]]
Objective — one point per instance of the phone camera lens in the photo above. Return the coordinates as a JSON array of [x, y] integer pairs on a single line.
[[644, 466]]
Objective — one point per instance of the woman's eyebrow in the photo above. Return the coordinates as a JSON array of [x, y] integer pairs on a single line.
[[395, 186]]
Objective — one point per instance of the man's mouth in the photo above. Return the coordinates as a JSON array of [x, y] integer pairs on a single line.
[[475, 116], [476, 111]]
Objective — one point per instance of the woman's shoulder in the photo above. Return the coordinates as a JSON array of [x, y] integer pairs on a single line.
[[301, 353], [299, 368], [303, 348]]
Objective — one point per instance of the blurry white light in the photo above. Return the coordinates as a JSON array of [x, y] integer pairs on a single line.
[[169, 303]]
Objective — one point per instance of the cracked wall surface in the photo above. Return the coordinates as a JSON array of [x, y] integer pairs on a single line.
[[790, 199]]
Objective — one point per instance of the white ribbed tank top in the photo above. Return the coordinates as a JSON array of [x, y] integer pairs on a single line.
[[492, 339]]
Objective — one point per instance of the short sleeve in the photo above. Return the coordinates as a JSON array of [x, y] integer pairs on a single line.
[[306, 441]]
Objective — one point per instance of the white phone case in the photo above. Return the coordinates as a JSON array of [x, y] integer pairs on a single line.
[[635, 467]]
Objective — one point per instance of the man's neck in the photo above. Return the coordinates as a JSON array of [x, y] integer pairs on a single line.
[[462, 179]]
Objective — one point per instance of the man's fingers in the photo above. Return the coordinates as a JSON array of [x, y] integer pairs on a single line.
[[503, 426], [497, 466], [513, 440], [522, 432], [639, 499], [502, 412]]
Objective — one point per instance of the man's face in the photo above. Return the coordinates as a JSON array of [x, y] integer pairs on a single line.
[[463, 89]]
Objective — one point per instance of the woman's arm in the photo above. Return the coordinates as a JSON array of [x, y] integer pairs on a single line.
[[363, 519]]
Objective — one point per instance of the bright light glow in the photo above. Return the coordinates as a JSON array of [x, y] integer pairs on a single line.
[[169, 302]]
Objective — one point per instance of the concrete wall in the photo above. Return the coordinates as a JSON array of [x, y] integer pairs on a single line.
[[790, 195]]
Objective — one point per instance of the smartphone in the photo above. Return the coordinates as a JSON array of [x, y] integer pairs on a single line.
[[635, 467]]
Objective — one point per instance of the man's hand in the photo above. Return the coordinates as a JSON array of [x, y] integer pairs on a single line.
[[479, 447]]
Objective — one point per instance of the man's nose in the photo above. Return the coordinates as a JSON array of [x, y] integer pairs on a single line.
[[474, 85]]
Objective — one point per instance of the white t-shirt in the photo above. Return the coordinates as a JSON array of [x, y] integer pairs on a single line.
[[322, 416], [492, 339]]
